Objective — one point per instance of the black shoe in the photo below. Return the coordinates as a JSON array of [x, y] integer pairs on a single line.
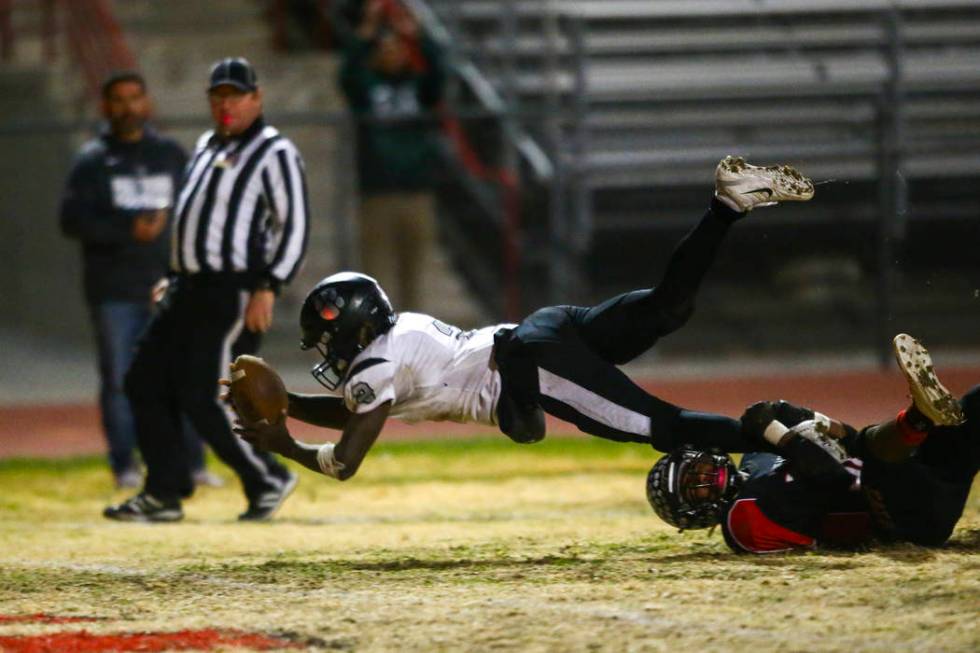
[[145, 508], [265, 505]]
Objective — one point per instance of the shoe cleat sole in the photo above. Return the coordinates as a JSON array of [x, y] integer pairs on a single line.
[[928, 394]]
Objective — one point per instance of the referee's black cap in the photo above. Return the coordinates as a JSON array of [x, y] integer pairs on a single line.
[[233, 71]]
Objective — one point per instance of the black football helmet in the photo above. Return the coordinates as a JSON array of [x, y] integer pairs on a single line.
[[341, 316], [690, 489]]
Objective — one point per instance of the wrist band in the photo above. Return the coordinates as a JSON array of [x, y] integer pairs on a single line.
[[774, 432], [328, 464]]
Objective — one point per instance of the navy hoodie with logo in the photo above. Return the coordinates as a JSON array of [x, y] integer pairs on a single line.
[[112, 182]]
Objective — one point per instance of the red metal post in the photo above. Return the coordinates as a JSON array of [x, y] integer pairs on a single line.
[[279, 12], [324, 28], [6, 31], [49, 29], [511, 237]]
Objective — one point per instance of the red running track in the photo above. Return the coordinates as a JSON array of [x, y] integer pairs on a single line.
[[856, 397]]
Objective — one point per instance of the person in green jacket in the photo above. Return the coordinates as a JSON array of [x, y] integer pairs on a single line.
[[393, 76]]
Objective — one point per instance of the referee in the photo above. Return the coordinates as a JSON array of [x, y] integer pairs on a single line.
[[240, 234]]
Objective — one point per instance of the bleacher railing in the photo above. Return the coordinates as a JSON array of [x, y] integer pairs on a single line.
[[95, 41], [37, 18], [625, 82]]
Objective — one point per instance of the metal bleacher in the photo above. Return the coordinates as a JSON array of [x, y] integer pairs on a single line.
[[635, 101], [653, 91]]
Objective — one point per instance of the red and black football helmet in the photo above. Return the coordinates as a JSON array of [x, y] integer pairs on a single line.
[[690, 489], [341, 316]]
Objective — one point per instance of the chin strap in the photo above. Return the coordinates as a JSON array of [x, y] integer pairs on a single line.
[[328, 463]]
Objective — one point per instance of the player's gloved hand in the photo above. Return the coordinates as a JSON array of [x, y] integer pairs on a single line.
[[756, 418], [264, 436], [760, 415], [790, 414]]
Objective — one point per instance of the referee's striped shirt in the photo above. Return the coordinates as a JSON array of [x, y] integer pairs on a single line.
[[243, 207]]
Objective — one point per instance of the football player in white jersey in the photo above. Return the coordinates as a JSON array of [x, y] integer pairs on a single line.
[[561, 359]]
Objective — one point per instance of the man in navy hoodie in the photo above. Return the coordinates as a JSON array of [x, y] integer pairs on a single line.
[[117, 204]]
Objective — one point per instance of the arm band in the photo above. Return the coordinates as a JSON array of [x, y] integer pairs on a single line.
[[774, 432], [328, 463]]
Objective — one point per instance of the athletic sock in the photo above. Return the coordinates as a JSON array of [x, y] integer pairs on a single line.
[[913, 426]]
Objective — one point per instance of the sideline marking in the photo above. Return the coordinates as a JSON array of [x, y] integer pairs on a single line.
[[182, 640]]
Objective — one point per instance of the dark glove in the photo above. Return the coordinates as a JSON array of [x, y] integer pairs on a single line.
[[761, 414], [757, 417], [791, 415]]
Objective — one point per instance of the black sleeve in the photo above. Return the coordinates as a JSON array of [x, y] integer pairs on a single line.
[[354, 74], [290, 203], [790, 414], [87, 213], [433, 81], [180, 159]]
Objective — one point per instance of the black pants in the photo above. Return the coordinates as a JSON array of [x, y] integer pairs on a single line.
[[921, 499], [564, 358], [184, 352]]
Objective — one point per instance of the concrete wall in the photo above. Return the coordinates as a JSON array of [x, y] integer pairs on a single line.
[[41, 287]]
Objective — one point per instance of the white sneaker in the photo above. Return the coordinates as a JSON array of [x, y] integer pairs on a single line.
[[206, 478], [743, 187], [264, 506], [930, 397], [145, 508], [131, 477]]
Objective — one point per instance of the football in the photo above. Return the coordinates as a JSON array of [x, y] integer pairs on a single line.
[[256, 390]]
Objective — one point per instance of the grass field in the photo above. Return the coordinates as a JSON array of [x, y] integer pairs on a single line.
[[476, 545]]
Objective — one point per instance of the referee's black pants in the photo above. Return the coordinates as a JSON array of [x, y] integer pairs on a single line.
[[564, 358], [186, 349]]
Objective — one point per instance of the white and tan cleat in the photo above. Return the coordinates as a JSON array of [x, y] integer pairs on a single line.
[[930, 397], [742, 186]]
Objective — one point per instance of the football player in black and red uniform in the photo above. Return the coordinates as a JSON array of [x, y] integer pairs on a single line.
[[827, 483]]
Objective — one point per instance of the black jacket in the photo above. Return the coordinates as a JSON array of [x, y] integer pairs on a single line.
[[110, 183]]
